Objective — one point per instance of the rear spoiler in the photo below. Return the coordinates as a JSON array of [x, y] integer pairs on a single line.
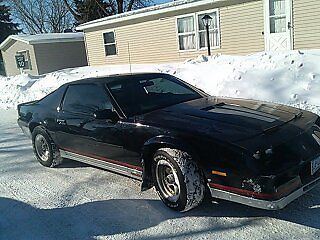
[[26, 104]]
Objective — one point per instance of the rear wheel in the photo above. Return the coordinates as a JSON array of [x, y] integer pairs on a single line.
[[44, 148], [177, 179]]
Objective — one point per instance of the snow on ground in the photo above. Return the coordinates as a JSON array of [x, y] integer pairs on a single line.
[[76, 201], [291, 78]]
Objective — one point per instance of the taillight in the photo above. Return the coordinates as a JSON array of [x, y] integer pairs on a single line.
[[18, 108]]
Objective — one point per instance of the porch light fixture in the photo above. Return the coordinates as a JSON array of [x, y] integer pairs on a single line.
[[207, 21]]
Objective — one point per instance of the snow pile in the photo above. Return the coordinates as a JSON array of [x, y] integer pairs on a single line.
[[291, 78]]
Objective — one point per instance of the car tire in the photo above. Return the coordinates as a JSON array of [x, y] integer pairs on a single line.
[[44, 148], [177, 179]]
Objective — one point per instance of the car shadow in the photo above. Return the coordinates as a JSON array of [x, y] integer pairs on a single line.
[[68, 163], [86, 220], [301, 211], [117, 216]]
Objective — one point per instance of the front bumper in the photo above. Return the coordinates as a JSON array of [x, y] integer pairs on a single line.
[[264, 204]]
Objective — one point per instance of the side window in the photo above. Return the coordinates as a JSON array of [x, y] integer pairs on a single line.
[[86, 99]]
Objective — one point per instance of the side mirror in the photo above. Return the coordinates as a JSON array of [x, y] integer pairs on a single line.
[[106, 114]]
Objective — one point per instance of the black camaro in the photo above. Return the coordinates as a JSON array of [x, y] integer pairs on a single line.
[[171, 135]]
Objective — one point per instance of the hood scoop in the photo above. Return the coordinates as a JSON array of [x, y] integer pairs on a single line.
[[238, 118], [236, 110]]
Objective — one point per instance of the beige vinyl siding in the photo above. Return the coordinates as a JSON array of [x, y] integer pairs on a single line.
[[306, 23], [156, 41], [9, 53], [153, 41], [55, 56], [241, 28]]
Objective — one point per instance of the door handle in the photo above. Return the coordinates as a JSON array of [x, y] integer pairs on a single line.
[[61, 121]]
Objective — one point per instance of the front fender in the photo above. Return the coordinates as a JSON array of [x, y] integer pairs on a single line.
[[148, 150]]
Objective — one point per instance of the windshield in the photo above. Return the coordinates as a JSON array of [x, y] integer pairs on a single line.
[[142, 94]]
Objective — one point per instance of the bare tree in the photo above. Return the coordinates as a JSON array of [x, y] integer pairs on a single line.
[[87, 10], [42, 16]]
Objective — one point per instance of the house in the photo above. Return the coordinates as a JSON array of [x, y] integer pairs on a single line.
[[175, 31], [2, 71], [42, 53]]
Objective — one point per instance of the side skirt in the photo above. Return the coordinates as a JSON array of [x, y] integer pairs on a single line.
[[130, 172]]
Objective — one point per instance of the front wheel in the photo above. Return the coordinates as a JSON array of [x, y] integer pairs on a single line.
[[177, 179]]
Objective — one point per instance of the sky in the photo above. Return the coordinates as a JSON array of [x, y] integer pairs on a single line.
[[154, 2], [160, 1]]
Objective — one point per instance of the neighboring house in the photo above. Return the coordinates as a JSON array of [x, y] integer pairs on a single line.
[[2, 71], [174, 31], [42, 53]]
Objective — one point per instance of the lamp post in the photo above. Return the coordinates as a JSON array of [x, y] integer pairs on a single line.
[[206, 21]]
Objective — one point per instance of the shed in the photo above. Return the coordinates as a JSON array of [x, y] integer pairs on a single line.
[[42, 53], [174, 31]]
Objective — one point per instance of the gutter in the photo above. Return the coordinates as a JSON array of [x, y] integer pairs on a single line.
[[33, 42], [149, 11]]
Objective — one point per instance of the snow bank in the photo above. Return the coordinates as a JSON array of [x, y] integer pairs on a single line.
[[291, 78]]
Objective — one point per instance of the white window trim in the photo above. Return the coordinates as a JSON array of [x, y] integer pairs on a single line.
[[217, 28], [196, 27], [115, 42], [179, 34]]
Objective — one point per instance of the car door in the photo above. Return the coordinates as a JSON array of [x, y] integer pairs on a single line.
[[80, 132]]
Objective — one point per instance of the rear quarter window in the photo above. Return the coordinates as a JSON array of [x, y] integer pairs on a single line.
[[53, 100]]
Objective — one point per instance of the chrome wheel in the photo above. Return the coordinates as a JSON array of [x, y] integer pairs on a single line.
[[168, 180], [42, 147]]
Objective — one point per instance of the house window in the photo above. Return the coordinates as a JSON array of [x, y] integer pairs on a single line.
[[277, 9], [186, 33], [192, 32], [109, 43], [213, 31]]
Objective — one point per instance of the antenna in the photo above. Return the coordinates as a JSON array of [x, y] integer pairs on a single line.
[[129, 58]]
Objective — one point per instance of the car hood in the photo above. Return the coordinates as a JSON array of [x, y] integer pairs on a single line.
[[227, 119]]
